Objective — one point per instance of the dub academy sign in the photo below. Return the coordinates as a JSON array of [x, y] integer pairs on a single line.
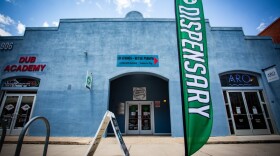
[[192, 48]]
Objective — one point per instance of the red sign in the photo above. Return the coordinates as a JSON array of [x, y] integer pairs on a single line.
[[26, 64], [157, 103]]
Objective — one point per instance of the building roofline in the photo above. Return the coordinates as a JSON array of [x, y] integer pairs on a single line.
[[82, 20], [226, 29], [258, 38], [42, 28], [11, 37], [127, 19]]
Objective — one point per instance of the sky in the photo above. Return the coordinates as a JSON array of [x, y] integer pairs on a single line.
[[15, 15]]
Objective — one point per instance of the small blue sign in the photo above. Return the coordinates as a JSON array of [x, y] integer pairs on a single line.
[[137, 61]]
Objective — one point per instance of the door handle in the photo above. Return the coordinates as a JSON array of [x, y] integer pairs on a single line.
[[15, 115], [251, 116]]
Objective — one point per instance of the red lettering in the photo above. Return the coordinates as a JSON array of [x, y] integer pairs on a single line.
[[13, 68], [43, 67], [36, 68], [7, 68], [18, 68], [32, 59], [30, 68], [24, 68], [28, 59], [22, 59]]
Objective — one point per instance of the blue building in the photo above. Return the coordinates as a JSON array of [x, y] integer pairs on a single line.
[[73, 73]]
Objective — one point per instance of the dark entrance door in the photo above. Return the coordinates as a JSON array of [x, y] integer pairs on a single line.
[[141, 88]]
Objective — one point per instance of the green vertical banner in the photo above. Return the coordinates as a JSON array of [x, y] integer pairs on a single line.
[[195, 82]]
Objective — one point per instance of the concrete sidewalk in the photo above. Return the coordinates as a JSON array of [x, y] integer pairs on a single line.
[[147, 145], [145, 139]]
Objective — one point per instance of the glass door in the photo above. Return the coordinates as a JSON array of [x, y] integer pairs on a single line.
[[139, 117], [8, 108], [16, 110], [145, 118], [133, 123], [256, 113], [239, 113], [247, 113]]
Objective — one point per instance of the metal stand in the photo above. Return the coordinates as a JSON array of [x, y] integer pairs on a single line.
[[21, 136]]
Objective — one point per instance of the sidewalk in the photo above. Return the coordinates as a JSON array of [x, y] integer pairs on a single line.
[[146, 139], [147, 145]]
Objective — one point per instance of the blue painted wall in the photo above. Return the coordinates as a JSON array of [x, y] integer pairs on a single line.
[[81, 45], [230, 50]]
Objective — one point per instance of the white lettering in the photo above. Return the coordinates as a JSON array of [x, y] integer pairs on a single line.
[[200, 95], [200, 111], [197, 24], [189, 11], [193, 44], [195, 68], [196, 79], [192, 1], [190, 18], [185, 14], [197, 56], [197, 36]]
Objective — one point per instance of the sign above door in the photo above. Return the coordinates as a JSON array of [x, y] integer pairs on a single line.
[[237, 79], [137, 61], [20, 82]]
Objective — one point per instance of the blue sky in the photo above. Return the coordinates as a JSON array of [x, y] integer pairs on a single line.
[[15, 15]]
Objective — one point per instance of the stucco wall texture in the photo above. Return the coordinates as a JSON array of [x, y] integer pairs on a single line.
[[80, 45]]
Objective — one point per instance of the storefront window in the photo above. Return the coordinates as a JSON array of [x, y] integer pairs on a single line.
[[245, 104]]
